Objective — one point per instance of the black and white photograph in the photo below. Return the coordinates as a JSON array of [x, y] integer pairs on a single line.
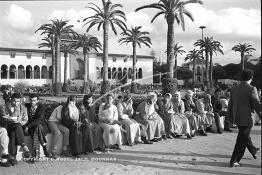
[[139, 87]]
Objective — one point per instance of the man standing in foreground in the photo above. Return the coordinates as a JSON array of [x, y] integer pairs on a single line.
[[243, 102]]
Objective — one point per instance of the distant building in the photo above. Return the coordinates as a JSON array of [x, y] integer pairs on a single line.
[[199, 70], [34, 66]]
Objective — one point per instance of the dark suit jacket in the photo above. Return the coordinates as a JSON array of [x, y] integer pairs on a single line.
[[243, 102], [37, 118]]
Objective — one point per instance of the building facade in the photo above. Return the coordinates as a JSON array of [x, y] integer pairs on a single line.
[[34, 67], [199, 70]]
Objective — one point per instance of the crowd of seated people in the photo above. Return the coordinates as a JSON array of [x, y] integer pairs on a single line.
[[85, 130]]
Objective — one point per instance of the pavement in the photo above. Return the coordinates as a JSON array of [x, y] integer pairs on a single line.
[[199, 156]]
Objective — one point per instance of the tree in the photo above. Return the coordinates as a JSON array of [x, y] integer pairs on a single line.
[[67, 48], [193, 55], [243, 49], [219, 72], [136, 37], [108, 16], [184, 74], [57, 29], [205, 45], [177, 50], [88, 43], [50, 43], [174, 11], [214, 48]]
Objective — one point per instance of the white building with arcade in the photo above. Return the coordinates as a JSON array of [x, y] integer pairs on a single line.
[[34, 67]]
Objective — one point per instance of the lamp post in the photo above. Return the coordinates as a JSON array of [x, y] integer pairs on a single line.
[[202, 36]]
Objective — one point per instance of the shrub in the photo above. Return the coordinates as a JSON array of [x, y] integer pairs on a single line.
[[20, 87], [169, 85], [66, 87]]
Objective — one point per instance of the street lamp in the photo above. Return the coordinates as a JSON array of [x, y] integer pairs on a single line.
[[202, 29]]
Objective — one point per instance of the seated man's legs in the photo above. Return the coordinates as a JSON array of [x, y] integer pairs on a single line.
[[5, 157]]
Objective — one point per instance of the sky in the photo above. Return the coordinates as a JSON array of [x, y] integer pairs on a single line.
[[227, 21]]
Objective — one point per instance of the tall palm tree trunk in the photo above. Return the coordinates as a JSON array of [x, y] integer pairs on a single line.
[[207, 69], [170, 43], [53, 64], [58, 88], [66, 68], [175, 75], [133, 88], [211, 71], [242, 62], [105, 52], [85, 86], [194, 72]]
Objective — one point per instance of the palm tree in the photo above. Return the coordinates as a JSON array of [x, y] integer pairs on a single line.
[[177, 50], [67, 48], [173, 10], [108, 16], [88, 43], [214, 48], [205, 45], [243, 49], [193, 55], [50, 43], [57, 29], [136, 37]]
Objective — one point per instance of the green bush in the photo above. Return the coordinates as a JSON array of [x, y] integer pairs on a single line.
[[66, 87], [169, 85], [105, 87], [20, 87]]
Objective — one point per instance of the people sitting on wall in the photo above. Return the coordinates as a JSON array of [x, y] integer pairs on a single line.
[[36, 126], [13, 116], [195, 121], [71, 119], [166, 111], [57, 128], [92, 132], [205, 110], [153, 124], [108, 120], [5, 160], [125, 114], [180, 119]]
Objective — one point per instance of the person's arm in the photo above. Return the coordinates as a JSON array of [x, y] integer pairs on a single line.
[[182, 107], [143, 112], [230, 107], [24, 118], [101, 118], [255, 101]]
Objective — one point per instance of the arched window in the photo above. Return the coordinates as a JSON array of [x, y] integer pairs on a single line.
[[114, 73], [136, 74], [4, 71], [98, 74], [102, 72], [125, 72], [119, 73], [198, 70], [36, 72], [129, 73], [21, 72], [12, 72], [198, 79], [28, 72], [140, 73], [44, 72], [50, 72], [109, 73]]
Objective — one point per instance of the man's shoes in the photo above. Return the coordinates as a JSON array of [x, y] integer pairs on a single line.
[[13, 161], [188, 136], [6, 156], [47, 154], [27, 154], [203, 133], [148, 142], [254, 156], [169, 136], [54, 155], [219, 131], [235, 164], [228, 130], [5, 164]]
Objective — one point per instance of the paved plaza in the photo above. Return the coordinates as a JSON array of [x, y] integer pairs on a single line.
[[201, 155]]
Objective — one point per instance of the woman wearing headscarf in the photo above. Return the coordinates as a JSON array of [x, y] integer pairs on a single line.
[[195, 121], [205, 110], [153, 124], [108, 120], [92, 132], [166, 111], [182, 122], [71, 119], [125, 114]]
